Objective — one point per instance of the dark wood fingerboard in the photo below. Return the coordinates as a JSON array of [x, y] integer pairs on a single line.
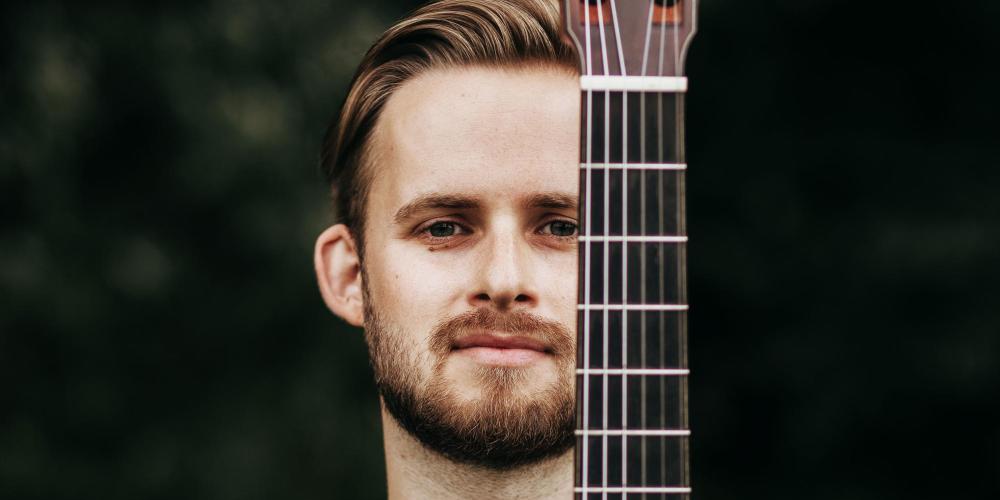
[[632, 425]]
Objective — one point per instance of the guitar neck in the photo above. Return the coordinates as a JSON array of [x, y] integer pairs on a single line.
[[632, 423], [632, 432]]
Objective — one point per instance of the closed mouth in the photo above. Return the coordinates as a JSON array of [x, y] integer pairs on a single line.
[[501, 350], [500, 342]]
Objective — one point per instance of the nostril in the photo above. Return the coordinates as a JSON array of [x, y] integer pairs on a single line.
[[522, 298], [483, 296]]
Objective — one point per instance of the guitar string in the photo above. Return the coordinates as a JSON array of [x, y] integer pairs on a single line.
[[659, 249], [587, 213], [679, 263], [624, 256], [682, 263], [604, 287], [678, 399], [642, 256]]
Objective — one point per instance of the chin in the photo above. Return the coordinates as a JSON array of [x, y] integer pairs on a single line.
[[499, 381]]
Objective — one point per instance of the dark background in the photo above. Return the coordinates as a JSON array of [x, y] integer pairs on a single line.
[[160, 332]]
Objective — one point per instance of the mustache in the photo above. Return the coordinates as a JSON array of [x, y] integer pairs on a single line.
[[554, 335]]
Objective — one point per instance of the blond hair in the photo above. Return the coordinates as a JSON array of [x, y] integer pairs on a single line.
[[441, 34]]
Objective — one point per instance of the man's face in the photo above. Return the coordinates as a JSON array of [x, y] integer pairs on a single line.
[[469, 268]]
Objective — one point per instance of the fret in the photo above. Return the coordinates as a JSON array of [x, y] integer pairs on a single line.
[[634, 432], [670, 84], [633, 166], [632, 307], [669, 372], [634, 239], [652, 490]]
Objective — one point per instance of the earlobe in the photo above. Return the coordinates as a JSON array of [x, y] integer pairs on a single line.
[[338, 271]]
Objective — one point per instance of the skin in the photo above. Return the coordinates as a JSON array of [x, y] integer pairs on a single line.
[[503, 143]]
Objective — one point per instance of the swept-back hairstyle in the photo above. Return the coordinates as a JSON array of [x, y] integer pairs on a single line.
[[441, 34]]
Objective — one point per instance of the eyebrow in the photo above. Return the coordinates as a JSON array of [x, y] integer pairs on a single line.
[[552, 200], [434, 201]]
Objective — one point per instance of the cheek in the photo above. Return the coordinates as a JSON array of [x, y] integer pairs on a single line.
[[562, 268], [414, 285], [557, 277]]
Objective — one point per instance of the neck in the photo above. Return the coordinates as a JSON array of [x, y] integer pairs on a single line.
[[416, 473]]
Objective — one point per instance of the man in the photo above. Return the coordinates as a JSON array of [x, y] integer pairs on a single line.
[[454, 170]]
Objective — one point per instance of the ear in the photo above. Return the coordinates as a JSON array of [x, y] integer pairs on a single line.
[[338, 270]]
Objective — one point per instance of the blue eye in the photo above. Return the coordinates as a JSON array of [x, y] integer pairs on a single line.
[[562, 228], [442, 229]]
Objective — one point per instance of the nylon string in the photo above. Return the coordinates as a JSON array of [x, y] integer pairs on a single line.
[[604, 326], [586, 316], [624, 263]]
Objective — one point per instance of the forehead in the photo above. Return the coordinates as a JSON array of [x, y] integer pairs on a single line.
[[479, 131]]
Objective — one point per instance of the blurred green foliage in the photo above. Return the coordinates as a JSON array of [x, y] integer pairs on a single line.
[[160, 333]]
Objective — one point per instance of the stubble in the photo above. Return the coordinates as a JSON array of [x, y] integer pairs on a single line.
[[505, 426]]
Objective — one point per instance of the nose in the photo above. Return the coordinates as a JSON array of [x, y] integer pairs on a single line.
[[505, 280]]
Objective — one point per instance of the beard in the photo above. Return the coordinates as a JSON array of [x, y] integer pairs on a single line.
[[503, 427]]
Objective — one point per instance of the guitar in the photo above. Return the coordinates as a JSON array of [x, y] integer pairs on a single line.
[[632, 421]]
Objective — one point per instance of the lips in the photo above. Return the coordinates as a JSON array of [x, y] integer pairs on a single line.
[[499, 350], [499, 342]]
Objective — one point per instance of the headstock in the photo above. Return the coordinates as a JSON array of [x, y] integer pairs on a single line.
[[630, 37]]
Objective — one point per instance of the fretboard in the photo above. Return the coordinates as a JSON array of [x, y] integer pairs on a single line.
[[632, 372], [632, 426]]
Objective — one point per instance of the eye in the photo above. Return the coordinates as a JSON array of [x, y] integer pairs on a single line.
[[442, 229], [561, 228]]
